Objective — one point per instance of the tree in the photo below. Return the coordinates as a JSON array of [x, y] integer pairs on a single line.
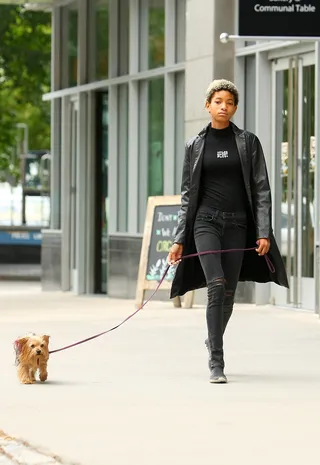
[[25, 55]]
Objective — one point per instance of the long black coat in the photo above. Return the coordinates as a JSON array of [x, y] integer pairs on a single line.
[[189, 274]]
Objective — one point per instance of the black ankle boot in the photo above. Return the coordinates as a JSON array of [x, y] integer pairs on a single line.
[[217, 376], [216, 365]]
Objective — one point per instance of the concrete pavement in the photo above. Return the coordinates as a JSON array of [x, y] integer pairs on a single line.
[[13, 451], [140, 395]]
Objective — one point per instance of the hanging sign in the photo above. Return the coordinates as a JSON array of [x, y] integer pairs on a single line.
[[279, 18]]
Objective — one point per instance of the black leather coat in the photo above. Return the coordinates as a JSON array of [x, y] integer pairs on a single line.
[[189, 275]]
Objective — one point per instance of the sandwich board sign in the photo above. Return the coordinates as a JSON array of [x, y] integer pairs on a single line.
[[161, 222]]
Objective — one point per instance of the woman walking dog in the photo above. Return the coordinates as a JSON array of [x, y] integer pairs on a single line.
[[225, 204]]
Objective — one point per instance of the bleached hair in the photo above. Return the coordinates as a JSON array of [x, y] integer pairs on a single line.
[[222, 84]]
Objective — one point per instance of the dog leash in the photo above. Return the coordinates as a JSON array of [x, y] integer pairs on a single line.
[[197, 254]]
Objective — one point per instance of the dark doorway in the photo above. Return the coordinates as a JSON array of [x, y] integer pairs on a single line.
[[101, 194]]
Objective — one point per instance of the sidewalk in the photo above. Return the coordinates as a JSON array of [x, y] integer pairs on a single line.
[[13, 451], [140, 395]]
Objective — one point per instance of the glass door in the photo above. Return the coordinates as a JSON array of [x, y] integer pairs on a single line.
[[73, 192], [102, 193], [294, 169]]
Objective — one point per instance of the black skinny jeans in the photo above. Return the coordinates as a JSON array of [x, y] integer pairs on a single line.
[[216, 230]]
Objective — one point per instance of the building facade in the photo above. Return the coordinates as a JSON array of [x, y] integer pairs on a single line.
[[128, 85]]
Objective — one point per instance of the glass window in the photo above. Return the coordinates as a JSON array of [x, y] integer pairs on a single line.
[[179, 129], [152, 38], [99, 37], [123, 41], [155, 136], [123, 200], [102, 193], [308, 170], [180, 30], [297, 196], [73, 19], [250, 90]]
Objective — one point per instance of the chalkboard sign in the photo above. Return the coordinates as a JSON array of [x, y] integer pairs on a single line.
[[165, 220], [159, 231]]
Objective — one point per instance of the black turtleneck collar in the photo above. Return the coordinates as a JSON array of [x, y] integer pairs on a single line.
[[225, 132]]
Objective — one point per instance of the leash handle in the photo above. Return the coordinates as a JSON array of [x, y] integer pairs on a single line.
[[207, 252]]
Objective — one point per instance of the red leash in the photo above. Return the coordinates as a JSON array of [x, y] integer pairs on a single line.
[[269, 263]]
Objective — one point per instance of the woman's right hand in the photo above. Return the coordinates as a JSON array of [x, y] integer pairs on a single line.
[[175, 254]]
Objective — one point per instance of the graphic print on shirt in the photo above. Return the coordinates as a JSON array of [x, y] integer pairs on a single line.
[[222, 154]]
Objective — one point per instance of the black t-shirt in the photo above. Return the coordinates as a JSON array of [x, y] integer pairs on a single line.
[[222, 185]]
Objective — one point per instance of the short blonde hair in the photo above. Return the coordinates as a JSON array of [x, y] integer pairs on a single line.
[[222, 84]]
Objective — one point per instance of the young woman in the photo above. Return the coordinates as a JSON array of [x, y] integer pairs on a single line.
[[225, 204]]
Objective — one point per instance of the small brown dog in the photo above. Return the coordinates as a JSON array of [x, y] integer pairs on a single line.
[[32, 354]]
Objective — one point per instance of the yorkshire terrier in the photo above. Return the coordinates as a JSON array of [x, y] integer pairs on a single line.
[[32, 354]]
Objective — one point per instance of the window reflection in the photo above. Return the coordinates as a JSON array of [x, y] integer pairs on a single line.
[[124, 27], [122, 158], [102, 192], [100, 34], [155, 136], [152, 27], [156, 33], [180, 30], [293, 196], [179, 128], [308, 169], [72, 12]]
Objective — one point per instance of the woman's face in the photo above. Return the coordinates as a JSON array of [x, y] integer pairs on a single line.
[[222, 107]]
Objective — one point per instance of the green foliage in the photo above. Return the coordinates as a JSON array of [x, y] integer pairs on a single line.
[[25, 55]]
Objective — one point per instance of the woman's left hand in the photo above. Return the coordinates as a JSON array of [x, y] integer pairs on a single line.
[[263, 246]]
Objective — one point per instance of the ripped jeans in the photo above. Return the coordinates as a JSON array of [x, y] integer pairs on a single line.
[[216, 230]]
